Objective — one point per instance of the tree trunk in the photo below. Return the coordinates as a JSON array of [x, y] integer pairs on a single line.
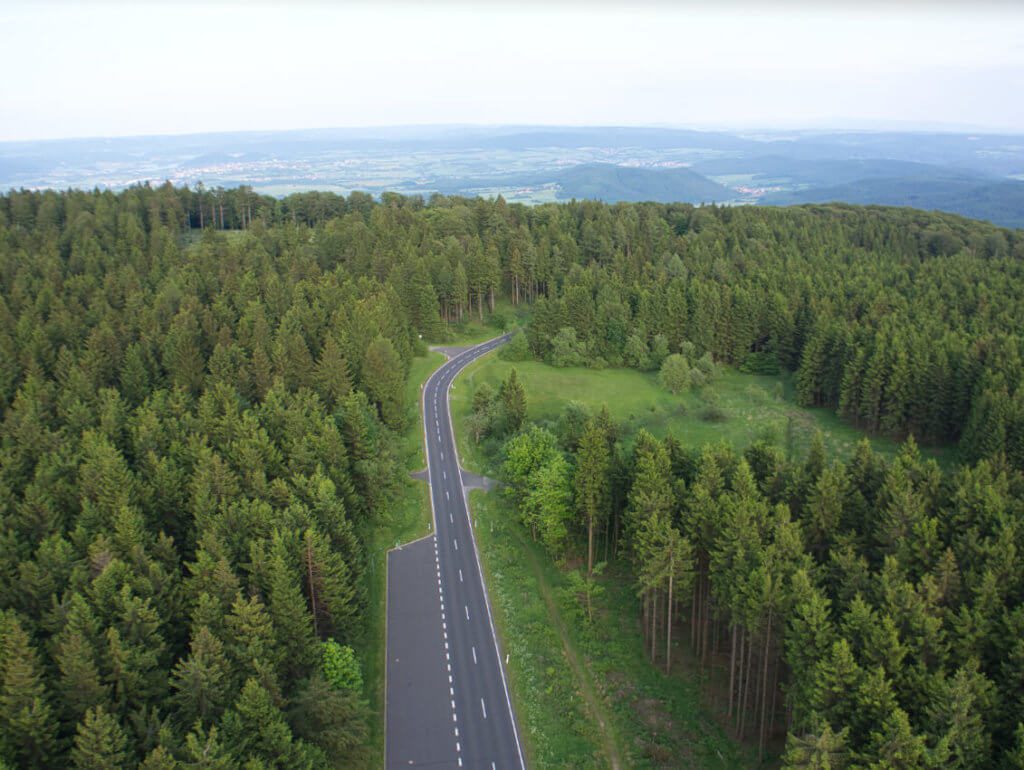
[[774, 690], [707, 619], [732, 668], [590, 546], [654, 623], [668, 619], [739, 679], [694, 612], [312, 588], [746, 688], [764, 685]]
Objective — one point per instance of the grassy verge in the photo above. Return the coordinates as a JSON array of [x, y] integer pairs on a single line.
[[556, 729], [751, 407], [584, 693], [408, 520]]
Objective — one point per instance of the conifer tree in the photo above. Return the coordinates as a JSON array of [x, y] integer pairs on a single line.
[[331, 376], [200, 682], [513, 400], [592, 483], [383, 376], [100, 742], [27, 726]]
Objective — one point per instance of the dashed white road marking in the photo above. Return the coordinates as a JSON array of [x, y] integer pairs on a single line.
[[447, 495], [450, 518], [445, 475], [483, 708], [474, 655], [460, 575], [456, 541], [467, 611]]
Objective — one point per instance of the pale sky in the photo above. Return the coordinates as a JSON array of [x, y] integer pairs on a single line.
[[114, 69]]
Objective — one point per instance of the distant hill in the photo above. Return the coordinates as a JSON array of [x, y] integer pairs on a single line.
[[605, 182], [1000, 202], [828, 172]]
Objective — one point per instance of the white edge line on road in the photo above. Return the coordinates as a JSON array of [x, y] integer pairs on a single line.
[[487, 601], [478, 351]]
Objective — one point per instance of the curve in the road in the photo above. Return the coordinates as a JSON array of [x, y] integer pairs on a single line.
[[483, 732]]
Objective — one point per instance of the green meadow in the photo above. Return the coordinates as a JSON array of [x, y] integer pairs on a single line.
[[736, 408]]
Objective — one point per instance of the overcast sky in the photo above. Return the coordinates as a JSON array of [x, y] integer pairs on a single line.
[[77, 69]]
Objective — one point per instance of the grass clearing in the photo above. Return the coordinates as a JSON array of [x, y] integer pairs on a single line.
[[752, 407], [408, 520]]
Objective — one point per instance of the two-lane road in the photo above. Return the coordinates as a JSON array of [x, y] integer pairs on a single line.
[[448, 702]]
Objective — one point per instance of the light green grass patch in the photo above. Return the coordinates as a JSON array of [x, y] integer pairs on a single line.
[[755, 407]]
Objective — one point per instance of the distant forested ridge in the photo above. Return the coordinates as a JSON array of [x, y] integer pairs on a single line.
[[999, 200], [200, 389]]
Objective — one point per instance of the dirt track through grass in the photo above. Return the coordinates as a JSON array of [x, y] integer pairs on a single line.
[[597, 710]]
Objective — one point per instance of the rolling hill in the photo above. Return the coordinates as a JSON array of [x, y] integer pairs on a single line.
[[605, 182], [998, 201]]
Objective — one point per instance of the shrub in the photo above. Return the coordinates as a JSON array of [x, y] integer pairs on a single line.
[[341, 669], [517, 349], [636, 354], [566, 349], [761, 362], [714, 413], [659, 351], [706, 365], [675, 374]]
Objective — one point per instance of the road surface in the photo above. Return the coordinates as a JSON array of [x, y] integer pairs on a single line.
[[448, 702]]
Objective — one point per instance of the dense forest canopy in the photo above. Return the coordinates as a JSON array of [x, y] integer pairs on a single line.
[[200, 392]]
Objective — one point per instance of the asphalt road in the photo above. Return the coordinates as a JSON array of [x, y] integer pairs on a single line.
[[448, 703]]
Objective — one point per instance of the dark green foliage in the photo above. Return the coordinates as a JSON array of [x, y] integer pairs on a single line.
[[516, 349], [188, 465], [198, 431], [100, 742], [513, 401]]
